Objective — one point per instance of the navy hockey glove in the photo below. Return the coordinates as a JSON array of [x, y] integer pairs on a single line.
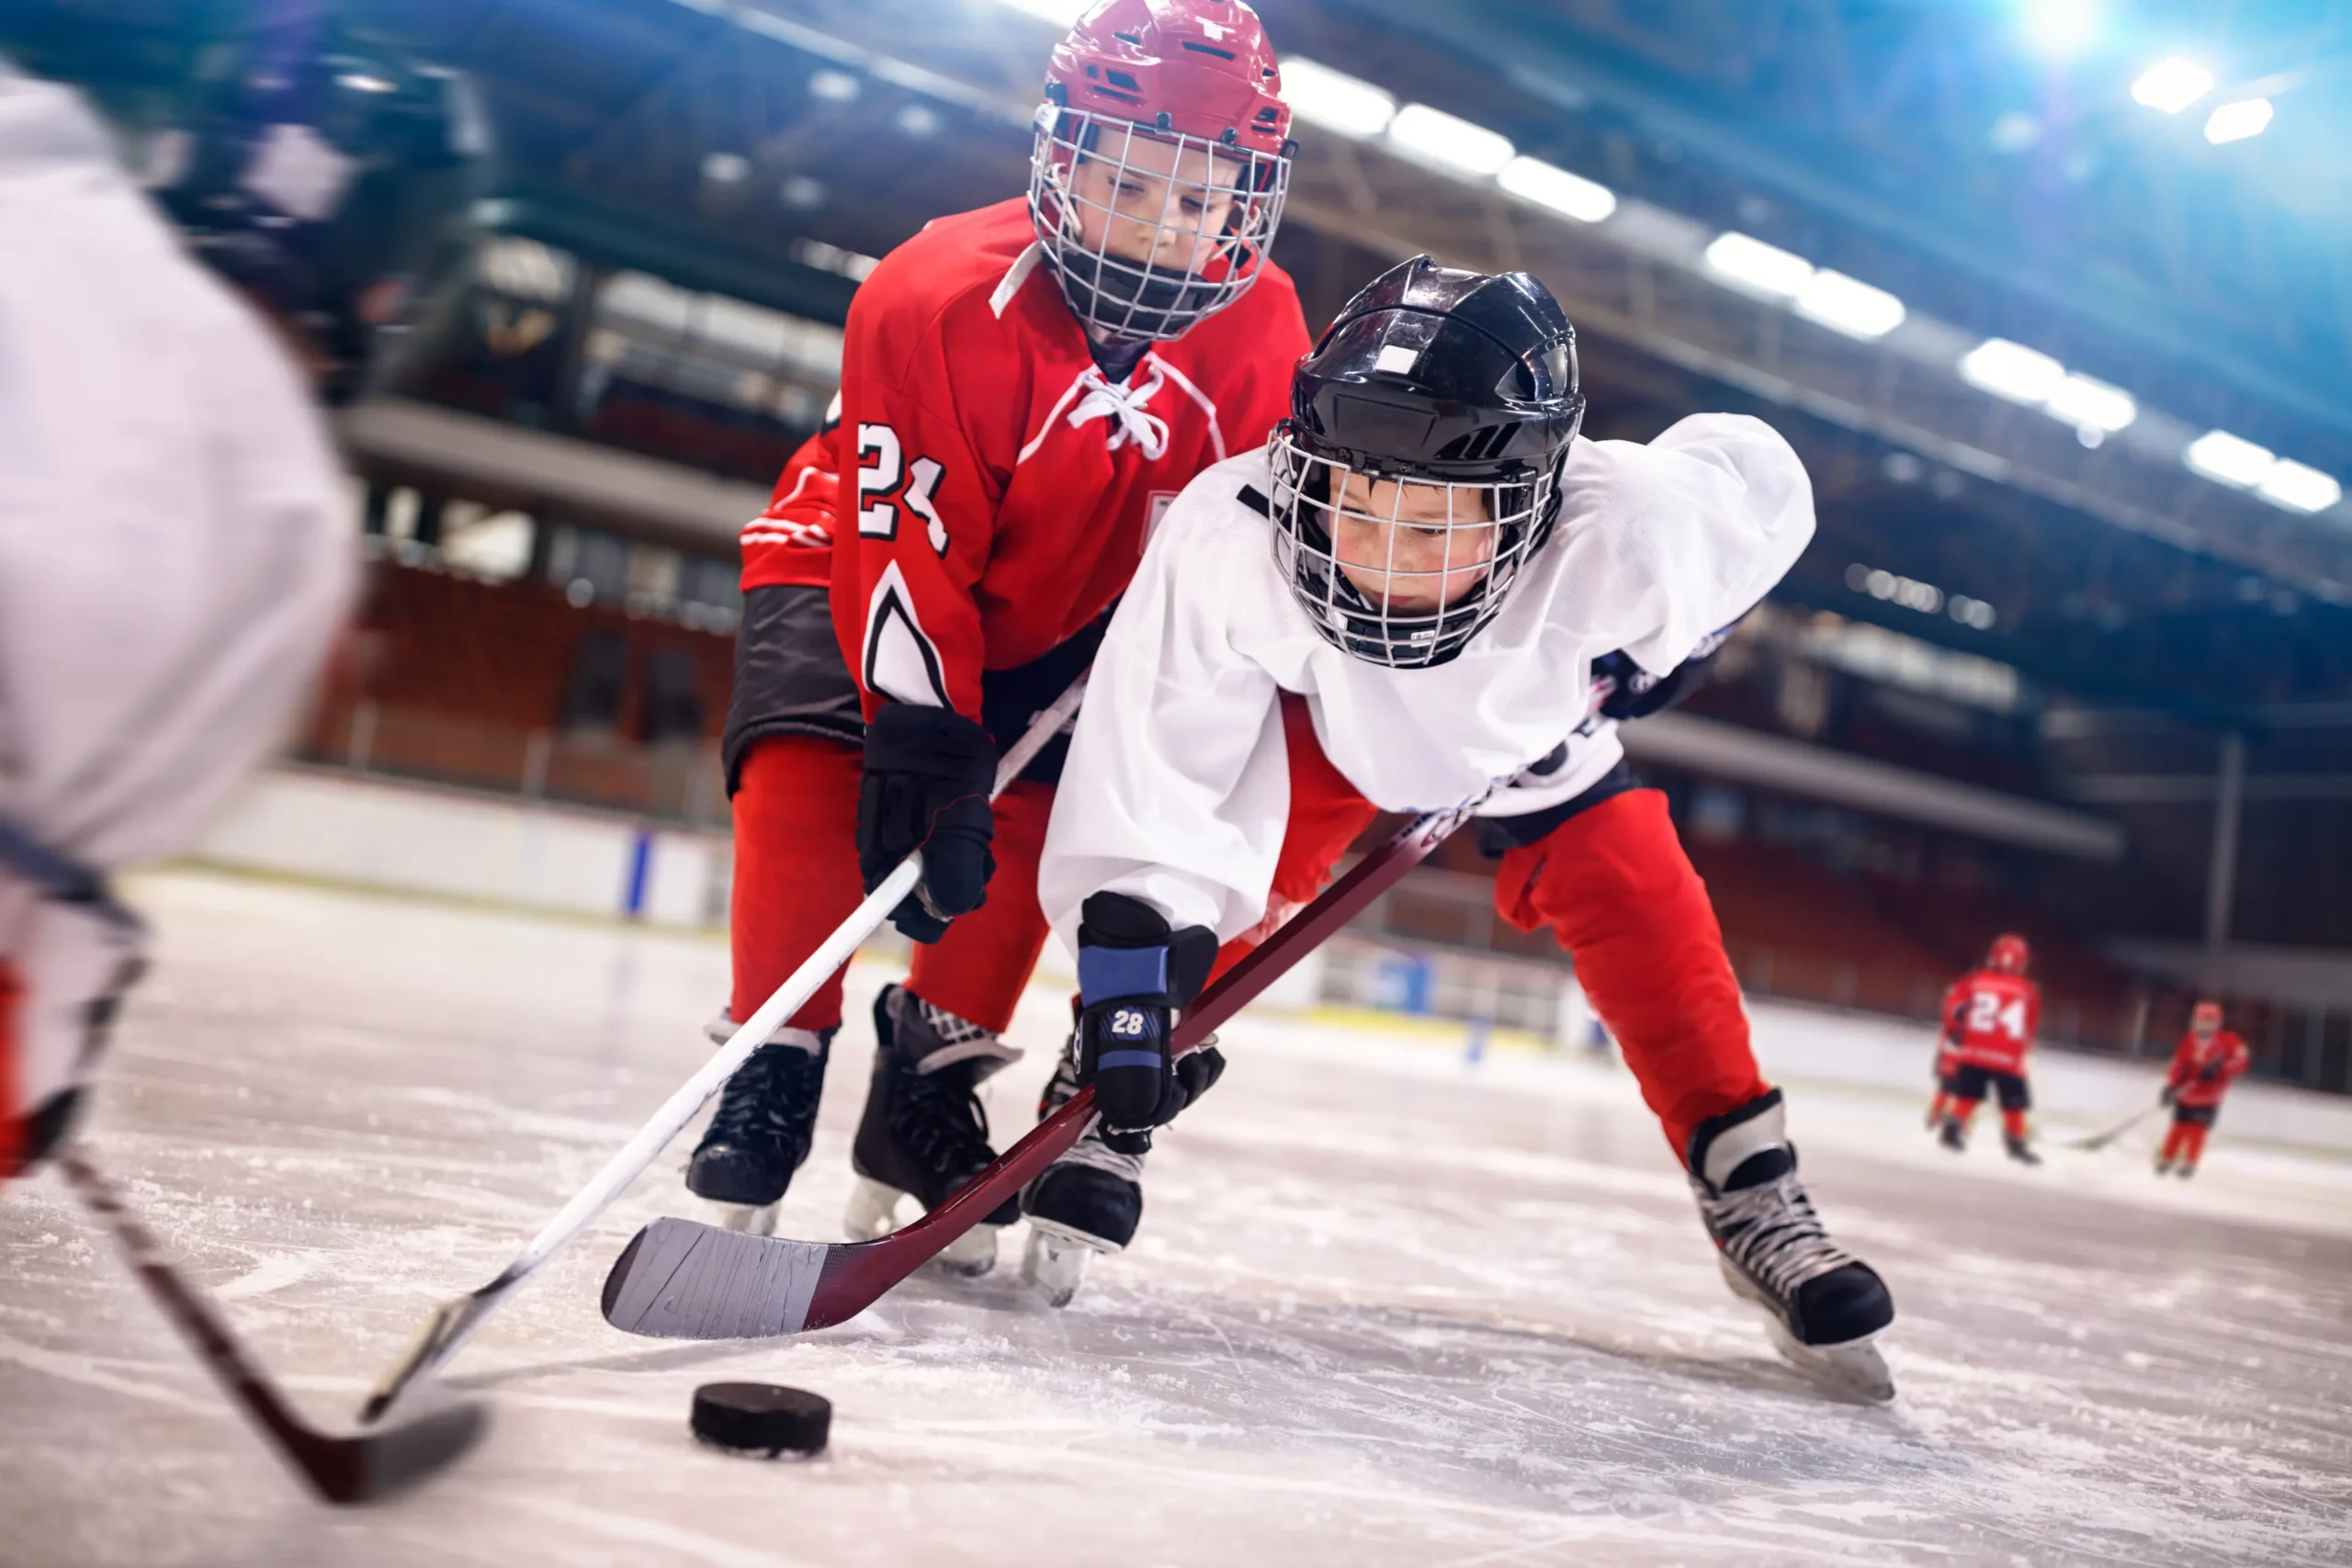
[[1132, 974], [928, 774], [1631, 691]]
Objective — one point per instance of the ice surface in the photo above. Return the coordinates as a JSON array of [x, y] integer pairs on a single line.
[[1387, 1307]]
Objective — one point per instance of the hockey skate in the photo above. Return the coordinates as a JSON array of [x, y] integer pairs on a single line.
[[1955, 1136], [923, 1133], [1088, 1201], [1824, 1307], [761, 1133], [2020, 1151]]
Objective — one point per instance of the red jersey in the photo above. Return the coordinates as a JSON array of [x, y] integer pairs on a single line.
[[986, 490], [1990, 1017], [2201, 1072]]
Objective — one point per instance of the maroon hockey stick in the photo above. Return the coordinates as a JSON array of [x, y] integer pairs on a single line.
[[682, 1279], [358, 1469]]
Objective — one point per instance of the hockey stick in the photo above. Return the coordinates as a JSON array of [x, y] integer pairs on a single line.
[[455, 1321], [682, 1279], [2101, 1140], [357, 1468]]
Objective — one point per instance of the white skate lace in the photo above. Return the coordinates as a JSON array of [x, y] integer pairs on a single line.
[[951, 1029], [1090, 1149], [1772, 1231]]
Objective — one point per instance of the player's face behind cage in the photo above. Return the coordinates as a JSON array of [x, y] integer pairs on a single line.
[[1149, 230], [1401, 572]]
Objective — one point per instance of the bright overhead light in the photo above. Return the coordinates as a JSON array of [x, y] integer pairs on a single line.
[[2091, 405], [1754, 267], [725, 168], [1436, 137], [1573, 195], [1336, 101], [2236, 122], [2232, 459], [2011, 371], [2060, 27], [2299, 488], [2172, 84], [835, 86], [1061, 13], [1848, 305]]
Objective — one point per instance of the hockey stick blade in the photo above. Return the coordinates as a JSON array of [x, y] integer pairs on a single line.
[[2098, 1141], [455, 1321], [682, 1279], [359, 1468]]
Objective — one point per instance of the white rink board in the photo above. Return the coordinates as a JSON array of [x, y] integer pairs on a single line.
[[1388, 1308]]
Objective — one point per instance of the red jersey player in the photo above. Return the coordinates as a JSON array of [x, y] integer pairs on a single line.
[[2209, 1058], [1990, 1015], [1025, 389]]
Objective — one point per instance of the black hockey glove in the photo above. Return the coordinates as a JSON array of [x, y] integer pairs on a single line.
[[1635, 692], [928, 774], [1132, 974], [2171, 1096]]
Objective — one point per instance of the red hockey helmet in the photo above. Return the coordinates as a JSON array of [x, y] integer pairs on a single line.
[[2008, 953], [1178, 105], [2205, 1019]]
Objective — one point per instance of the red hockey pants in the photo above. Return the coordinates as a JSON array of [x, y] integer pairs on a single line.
[[1613, 885], [795, 881]]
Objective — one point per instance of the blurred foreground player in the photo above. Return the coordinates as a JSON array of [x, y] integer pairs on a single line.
[[2208, 1058], [1990, 1016], [1025, 389], [177, 543], [1427, 558]]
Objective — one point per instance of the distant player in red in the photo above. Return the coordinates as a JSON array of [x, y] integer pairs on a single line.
[[1025, 389], [2209, 1058], [1990, 1015]]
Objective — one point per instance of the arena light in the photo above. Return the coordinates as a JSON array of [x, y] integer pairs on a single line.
[[2013, 371], [2230, 460], [1335, 101], [1748, 264], [1455, 144], [2298, 487], [2236, 122], [1571, 196], [1848, 305], [2087, 404], [2172, 84], [2059, 29]]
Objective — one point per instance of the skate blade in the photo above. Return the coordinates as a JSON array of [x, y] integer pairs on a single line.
[[1056, 1261], [873, 1213], [750, 1219], [1855, 1370]]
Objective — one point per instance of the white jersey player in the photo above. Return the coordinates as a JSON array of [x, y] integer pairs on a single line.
[[1463, 594], [177, 543]]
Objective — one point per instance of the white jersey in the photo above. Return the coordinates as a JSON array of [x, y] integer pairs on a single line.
[[178, 542], [1176, 788]]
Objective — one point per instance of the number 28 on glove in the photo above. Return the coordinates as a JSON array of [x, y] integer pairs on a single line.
[[1133, 972]]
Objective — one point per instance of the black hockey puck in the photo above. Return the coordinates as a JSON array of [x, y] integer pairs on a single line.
[[762, 1418]]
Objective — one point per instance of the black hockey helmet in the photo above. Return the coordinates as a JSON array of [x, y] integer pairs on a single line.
[[1432, 379], [325, 173]]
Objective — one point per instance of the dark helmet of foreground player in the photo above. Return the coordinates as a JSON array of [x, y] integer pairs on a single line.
[[1186, 92], [1419, 471], [323, 175]]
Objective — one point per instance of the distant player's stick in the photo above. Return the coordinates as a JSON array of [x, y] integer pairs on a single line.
[[357, 1468], [2101, 1140], [681, 1279], [455, 1322]]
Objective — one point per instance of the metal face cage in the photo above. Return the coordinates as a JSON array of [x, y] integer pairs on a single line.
[[1202, 213], [1399, 570]]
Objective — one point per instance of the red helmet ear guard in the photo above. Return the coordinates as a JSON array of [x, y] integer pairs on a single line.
[[2008, 953], [1198, 68]]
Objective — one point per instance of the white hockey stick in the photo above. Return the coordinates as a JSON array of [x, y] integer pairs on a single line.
[[455, 1321]]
